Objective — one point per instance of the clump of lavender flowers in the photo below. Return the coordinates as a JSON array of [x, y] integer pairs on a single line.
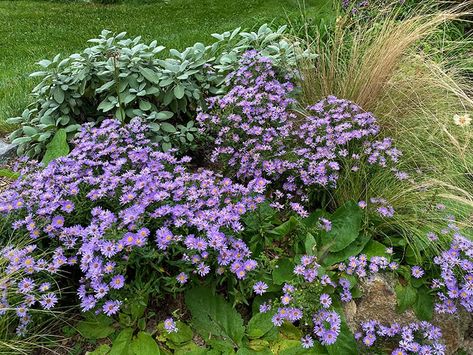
[[304, 301], [258, 135], [116, 193], [414, 338], [455, 285]]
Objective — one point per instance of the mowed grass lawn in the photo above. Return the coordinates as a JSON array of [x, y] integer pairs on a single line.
[[33, 30]]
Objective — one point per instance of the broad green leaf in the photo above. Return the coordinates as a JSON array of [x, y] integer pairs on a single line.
[[144, 344], [374, 248], [58, 95], [285, 344], [150, 75], [257, 347], [354, 248], [285, 228], [345, 344], [58, 147], [215, 319], [259, 325], [29, 131], [167, 127], [106, 106], [346, 224], [406, 296], [193, 349], [179, 91], [121, 344], [164, 115], [183, 334], [145, 105], [283, 272], [290, 331], [95, 327], [309, 244], [101, 350], [424, 305]]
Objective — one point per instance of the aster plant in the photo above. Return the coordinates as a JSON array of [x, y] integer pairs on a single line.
[[116, 201], [258, 134]]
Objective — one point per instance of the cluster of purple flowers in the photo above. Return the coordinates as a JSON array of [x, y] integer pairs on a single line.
[[116, 192], [292, 305], [258, 135], [416, 338], [455, 285], [361, 267], [356, 6], [20, 290]]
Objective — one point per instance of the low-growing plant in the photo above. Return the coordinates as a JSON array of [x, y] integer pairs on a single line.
[[257, 133], [124, 78], [117, 208]]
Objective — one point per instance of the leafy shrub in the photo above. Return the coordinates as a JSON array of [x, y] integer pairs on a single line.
[[125, 78], [116, 201]]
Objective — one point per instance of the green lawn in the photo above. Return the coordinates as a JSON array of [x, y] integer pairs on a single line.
[[33, 30]]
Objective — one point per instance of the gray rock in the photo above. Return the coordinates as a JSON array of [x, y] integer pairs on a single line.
[[379, 303], [7, 151]]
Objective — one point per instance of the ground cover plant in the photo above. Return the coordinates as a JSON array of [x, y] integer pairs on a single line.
[[304, 181]]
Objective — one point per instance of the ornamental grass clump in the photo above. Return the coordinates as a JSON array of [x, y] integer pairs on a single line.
[[115, 202], [258, 134], [404, 69]]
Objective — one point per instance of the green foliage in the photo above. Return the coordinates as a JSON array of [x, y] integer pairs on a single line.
[[95, 327], [406, 297], [125, 78], [215, 320], [9, 174], [57, 147], [259, 325], [346, 224], [283, 271]]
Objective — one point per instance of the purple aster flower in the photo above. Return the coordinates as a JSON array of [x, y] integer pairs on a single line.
[[307, 342], [182, 278], [117, 282], [417, 272], [48, 300], [111, 307], [170, 325], [325, 300], [260, 287]]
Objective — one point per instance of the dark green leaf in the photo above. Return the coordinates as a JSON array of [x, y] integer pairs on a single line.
[[58, 147], [424, 305], [374, 248], [121, 344], [346, 224], [283, 271], [285, 228], [167, 127], [259, 325], [214, 319], [95, 327], [406, 296], [144, 344], [354, 248]]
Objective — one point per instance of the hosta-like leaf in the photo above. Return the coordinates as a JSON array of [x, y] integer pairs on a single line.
[[215, 319], [144, 344], [58, 147], [346, 225]]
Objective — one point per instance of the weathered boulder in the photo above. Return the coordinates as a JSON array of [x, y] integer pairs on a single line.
[[6, 151], [379, 303]]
